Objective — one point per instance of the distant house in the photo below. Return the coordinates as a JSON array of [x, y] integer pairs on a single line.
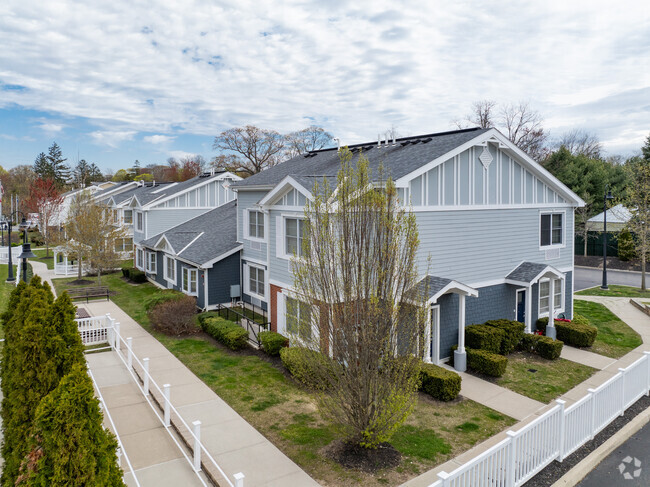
[[617, 218], [497, 227]]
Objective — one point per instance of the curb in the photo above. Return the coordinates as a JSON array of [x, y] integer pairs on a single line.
[[587, 464], [608, 269]]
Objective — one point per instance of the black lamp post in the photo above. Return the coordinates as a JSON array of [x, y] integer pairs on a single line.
[[10, 270], [607, 196], [27, 251]]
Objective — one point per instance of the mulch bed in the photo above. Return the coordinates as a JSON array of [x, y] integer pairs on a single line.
[[556, 470], [367, 460], [612, 263], [80, 282]]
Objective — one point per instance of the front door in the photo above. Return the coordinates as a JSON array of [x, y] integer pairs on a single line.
[[521, 305], [435, 334]]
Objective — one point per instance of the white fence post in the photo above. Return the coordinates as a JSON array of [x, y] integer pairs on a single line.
[[166, 392], [511, 459], [444, 478], [647, 360], [592, 394], [129, 345], [145, 379], [239, 479], [119, 456], [117, 336], [562, 432], [622, 371], [197, 445]]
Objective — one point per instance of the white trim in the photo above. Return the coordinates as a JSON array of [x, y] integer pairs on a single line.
[[517, 291], [551, 289], [281, 237], [167, 258], [247, 289], [155, 258], [254, 261], [139, 228], [156, 283], [193, 240], [141, 266], [211, 179], [487, 207], [454, 287], [564, 229], [246, 217], [279, 284], [168, 245], [433, 342], [211, 262], [288, 181], [189, 271]]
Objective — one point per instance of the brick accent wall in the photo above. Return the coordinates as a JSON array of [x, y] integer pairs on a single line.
[[273, 315]]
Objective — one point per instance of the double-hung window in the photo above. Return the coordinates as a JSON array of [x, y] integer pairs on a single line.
[[256, 224], [128, 216], [256, 280], [298, 318], [293, 234], [138, 221], [139, 259], [151, 262], [170, 269], [544, 295], [551, 229], [190, 280]]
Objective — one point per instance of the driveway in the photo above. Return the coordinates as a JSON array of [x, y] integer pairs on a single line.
[[586, 277]]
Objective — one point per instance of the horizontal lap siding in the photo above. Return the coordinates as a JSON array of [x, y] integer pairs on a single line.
[[474, 246], [159, 221], [245, 200], [278, 267]]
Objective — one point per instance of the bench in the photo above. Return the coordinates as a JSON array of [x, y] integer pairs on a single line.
[[88, 292]]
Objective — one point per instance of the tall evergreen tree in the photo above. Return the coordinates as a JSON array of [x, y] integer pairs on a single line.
[[94, 173], [70, 446], [80, 174], [42, 167], [60, 170]]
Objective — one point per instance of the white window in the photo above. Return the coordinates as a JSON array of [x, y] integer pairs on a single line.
[[139, 259], [151, 262], [293, 236], [551, 229], [298, 318], [190, 280], [558, 295], [116, 216], [138, 221], [256, 224], [170, 269], [128, 216], [255, 281]]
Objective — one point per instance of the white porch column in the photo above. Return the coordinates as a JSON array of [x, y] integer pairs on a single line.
[[550, 328], [460, 356], [427, 337], [65, 263], [529, 309]]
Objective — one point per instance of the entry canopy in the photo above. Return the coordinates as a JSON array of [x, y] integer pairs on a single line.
[[435, 286], [528, 273]]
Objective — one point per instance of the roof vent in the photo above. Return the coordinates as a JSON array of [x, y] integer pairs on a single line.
[[338, 143]]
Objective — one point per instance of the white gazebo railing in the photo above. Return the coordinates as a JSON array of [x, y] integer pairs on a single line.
[[97, 329], [4, 254]]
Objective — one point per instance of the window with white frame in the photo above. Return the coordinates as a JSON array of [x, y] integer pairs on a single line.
[[551, 229], [255, 281], [116, 216], [123, 244], [139, 258], [151, 262], [190, 277], [170, 269], [558, 295], [256, 224], [298, 318], [128, 216], [293, 235], [138, 221]]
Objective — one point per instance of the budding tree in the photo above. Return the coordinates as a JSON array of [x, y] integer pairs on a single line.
[[639, 203]]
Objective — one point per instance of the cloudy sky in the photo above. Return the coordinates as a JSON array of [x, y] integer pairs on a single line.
[[113, 81]]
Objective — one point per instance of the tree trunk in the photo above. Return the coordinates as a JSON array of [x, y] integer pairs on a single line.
[[79, 266], [99, 276], [585, 244]]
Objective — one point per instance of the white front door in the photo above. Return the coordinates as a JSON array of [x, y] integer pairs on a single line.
[[435, 334]]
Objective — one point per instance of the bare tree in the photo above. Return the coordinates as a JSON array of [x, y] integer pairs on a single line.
[[523, 127], [308, 139], [46, 200], [580, 142], [639, 203], [354, 302], [255, 149]]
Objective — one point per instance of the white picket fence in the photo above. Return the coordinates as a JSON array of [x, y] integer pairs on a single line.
[[97, 329], [61, 269], [554, 435]]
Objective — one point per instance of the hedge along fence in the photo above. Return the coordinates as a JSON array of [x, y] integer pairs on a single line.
[[272, 342], [578, 332], [228, 333], [439, 383]]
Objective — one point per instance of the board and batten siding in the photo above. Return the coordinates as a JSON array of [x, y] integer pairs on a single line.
[[209, 195], [465, 180], [474, 246], [252, 249]]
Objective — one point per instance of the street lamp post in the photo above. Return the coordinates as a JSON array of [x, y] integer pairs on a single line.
[[10, 270], [27, 251], [607, 196]]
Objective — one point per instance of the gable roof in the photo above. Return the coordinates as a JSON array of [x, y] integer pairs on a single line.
[[530, 272], [616, 214], [205, 239]]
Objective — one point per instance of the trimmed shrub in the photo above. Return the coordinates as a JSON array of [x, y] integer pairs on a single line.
[[125, 271], [136, 275], [308, 367], [206, 315], [543, 346], [487, 363], [439, 383], [513, 333], [541, 324], [162, 297], [483, 337], [273, 342], [576, 333], [230, 334], [174, 316]]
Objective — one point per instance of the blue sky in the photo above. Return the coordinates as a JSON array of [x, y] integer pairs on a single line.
[[114, 81]]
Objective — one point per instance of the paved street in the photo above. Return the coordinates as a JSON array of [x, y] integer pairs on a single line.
[[628, 465], [586, 277]]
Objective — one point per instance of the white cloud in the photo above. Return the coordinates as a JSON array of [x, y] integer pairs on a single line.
[[50, 129], [179, 154], [355, 68], [158, 139], [111, 138]]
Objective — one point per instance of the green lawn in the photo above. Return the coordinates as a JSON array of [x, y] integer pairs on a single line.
[[550, 379], [614, 338], [288, 414], [616, 291]]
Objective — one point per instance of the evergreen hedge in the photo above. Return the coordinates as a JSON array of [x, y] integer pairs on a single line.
[[543, 346], [309, 367], [487, 363], [273, 342], [513, 333], [484, 337], [439, 383], [230, 334]]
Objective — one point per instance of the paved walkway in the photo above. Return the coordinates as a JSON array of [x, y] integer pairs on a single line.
[[633, 317]]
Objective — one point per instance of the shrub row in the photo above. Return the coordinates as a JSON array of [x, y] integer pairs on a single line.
[[513, 333], [544, 346], [311, 368], [135, 275], [496, 336], [272, 342], [439, 383], [162, 297], [230, 334], [578, 332], [483, 361]]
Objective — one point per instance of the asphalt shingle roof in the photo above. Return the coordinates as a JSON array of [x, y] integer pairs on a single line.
[[527, 272], [216, 231], [430, 285], [407, 155]]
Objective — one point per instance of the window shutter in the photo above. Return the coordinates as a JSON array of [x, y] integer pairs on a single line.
[[279, 237]]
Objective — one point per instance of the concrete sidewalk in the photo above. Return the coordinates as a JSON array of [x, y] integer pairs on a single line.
[[233, 443]]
